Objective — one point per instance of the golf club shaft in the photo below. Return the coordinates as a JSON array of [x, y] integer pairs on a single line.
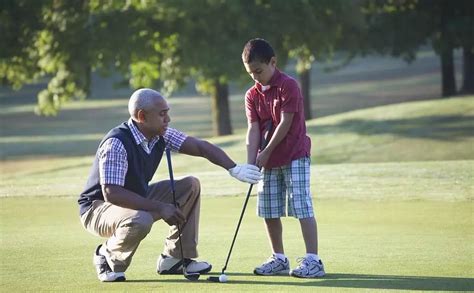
[[263, 145], [238, 226], [173, 191]]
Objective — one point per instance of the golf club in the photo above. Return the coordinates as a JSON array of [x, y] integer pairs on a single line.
[[223, 277], [189, 276]]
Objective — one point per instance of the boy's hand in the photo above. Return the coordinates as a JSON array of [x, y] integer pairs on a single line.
[[246, 173], [262, 158]]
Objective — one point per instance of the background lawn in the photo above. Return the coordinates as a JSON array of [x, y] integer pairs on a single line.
[[392, 187]]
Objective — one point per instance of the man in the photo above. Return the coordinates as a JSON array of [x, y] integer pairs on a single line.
[[119, 204]]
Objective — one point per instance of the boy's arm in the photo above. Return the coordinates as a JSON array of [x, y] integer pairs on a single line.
[[280, 133], [253, 141]]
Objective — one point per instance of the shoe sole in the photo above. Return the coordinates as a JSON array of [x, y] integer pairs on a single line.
[[118, 279], [318, 275], [280, 273], [180, 271]]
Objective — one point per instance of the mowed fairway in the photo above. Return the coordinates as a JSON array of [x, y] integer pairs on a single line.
[[414, 245], [392, 189]]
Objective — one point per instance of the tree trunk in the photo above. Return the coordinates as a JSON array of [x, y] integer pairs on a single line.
[[447, 71], [468, 70], [305, 77], [448, 81], [220, 109]]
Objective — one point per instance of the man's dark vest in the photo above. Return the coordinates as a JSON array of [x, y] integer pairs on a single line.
[[141, 167]]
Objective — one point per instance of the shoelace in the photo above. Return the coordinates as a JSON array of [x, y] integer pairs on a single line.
[[271, 260], [303, 261]]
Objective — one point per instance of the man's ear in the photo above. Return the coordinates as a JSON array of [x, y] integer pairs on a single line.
[[141, 117]]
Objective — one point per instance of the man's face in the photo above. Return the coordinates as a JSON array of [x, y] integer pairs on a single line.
[[261, 72], [157, 118]]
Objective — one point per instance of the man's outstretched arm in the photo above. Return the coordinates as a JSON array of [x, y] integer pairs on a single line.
[[197, 147]]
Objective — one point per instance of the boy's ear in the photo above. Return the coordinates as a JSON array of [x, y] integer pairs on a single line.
[[273, 61]]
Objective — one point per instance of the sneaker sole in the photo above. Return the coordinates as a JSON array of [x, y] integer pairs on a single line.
[[118, 279], [318, 275], [285, 273], [180, 271]]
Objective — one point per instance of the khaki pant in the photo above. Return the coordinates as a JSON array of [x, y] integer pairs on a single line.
[[126, 228]]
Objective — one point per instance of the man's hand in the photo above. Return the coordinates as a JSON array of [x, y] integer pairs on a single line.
[[246, 173], [170, 214]]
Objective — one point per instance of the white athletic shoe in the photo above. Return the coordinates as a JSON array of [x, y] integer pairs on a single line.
[[168, 265], [104, 272], [308, 268], [273, 266]]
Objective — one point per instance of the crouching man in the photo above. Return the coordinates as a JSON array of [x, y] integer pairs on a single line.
[[119, 204]]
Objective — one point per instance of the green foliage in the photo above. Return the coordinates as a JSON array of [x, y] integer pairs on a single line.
[[399, 28], [162, 43]]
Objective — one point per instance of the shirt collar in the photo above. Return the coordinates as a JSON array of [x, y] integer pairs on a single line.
[[137, 135], [272, 82]]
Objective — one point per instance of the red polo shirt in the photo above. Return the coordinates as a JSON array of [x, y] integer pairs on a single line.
[[284, 95]]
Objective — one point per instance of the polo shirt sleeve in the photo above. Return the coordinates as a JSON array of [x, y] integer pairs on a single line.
[[174, 139], [290, 96], [250, 110], [113, 162]]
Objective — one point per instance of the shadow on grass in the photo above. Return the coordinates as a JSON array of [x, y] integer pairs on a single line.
[[443, 127], [356, 281]]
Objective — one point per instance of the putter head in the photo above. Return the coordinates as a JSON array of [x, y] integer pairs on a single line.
[[213, 279], [192, 276]]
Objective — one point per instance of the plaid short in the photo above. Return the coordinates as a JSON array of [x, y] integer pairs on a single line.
[[287, 184]]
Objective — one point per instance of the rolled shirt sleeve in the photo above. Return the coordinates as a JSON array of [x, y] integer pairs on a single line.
[[174, 139], [113, 162]]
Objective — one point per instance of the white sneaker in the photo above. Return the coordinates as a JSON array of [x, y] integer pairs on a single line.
[[273, 266], [104, 272], [308, 268], [168, 265]]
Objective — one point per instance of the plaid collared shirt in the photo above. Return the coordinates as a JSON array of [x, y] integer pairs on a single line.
[[113, 162]]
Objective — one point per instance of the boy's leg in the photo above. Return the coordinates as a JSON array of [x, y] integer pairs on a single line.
[[297, 178], [310, 234], [300, 205], [275, 234], [271, 206]]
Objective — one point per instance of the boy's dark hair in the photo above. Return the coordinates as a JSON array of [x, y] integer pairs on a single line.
[[257, 50]]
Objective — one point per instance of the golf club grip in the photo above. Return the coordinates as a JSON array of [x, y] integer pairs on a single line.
[[170, 170]]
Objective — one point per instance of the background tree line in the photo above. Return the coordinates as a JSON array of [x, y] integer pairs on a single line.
[[164, 43]]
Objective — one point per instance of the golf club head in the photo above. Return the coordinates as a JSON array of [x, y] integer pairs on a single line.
[[213, 279], [192, 276]]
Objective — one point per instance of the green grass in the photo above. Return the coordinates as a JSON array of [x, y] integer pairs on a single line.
[[402, 245], [392, 187]]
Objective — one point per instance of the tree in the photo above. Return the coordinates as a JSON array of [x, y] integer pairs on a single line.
[[211, 38], [333, 26], [52, 43], [399, 28], [64, 41]]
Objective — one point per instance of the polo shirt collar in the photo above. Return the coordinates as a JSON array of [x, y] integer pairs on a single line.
[[274, 81], [137, 135]]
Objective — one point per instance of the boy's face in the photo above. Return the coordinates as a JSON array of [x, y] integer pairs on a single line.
[[261, 72]]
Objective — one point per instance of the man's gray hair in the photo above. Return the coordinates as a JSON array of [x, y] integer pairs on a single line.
[[142, 99]]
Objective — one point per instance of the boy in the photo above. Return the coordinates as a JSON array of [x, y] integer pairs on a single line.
[[276, 98]]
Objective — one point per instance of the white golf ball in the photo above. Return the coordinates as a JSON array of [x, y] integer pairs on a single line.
[[223, 278]]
